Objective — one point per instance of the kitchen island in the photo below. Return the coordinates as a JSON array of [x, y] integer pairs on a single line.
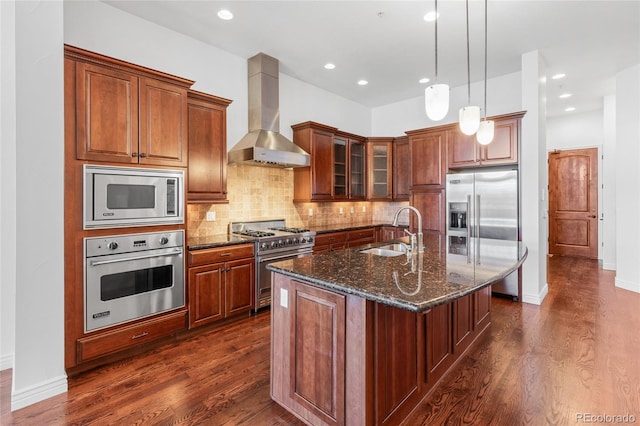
[[361, 338]]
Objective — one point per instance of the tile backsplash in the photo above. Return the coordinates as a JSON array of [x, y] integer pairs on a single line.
[[261, 193]]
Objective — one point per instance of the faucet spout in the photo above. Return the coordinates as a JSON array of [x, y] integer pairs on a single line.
[[418, 241]]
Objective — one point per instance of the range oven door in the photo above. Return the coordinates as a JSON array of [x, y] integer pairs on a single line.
[[263, 277], [128, 286]]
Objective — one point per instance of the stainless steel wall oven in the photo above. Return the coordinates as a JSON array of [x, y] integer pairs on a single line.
[[132, 276]]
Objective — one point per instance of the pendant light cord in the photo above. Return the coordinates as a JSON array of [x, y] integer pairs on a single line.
[[468, 61], [485, 59], [436, 6]]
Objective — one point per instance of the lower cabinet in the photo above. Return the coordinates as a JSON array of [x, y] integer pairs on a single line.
[[360, 237], [221, 283], [340, 359], [333, 241], [388, 233]]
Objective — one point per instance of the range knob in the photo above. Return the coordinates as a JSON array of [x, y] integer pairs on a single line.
[[112, 245], [164, 240], [264, 246], [274, 244]]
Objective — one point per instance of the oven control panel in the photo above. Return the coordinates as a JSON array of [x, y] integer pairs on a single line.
[[100, 246]]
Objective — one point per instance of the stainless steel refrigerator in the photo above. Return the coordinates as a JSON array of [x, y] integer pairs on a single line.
[[485, 205]]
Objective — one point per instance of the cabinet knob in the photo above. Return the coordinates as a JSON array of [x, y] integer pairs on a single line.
[[134, 154], [143, 155]]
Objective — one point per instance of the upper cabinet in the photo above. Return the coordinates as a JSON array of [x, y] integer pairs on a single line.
[[380, 168], [338, 164], [427, 157], [128, 114], [464, 151], [401, 169], [207, 159]]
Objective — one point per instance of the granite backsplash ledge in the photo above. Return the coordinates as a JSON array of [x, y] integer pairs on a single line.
[[262, 193]]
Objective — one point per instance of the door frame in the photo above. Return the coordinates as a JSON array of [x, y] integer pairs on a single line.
[[600, 188]]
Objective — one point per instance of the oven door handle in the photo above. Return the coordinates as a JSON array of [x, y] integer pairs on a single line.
[[127, 259], [284, 256]]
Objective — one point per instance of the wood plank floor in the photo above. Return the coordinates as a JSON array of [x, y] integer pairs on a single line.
[[577, 355]]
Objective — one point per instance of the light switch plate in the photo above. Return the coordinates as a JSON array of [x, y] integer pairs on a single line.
[[211, 216], [284, 297]]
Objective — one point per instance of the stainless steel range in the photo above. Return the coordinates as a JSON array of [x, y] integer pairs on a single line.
[[274, 242]]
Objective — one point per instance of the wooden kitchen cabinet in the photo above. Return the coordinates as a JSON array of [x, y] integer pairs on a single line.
[[380, 169], [207, 155], [127, 113], [464, 151], [338, 161], [431, 204], [401, 169], [464, 324], [360, 237], [388, 233], [427, 158], [331, 241], [221, 283], [439, 342]]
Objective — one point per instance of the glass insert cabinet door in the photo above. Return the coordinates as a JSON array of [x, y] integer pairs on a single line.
[[357, 169], [380, 171], [339, 168]]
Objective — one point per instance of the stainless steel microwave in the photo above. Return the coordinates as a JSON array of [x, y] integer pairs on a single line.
[[127, 196]]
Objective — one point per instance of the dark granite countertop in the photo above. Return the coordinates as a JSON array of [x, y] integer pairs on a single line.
[[212, 241], [325, 229], [414, 282]]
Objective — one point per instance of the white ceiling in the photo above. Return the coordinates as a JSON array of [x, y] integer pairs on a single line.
[[389, 44]]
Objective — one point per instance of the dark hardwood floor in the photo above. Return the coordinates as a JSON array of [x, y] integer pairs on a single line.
[[577, 355]]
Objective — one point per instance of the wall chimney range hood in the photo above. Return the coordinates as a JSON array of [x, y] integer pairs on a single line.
[[264, 145]]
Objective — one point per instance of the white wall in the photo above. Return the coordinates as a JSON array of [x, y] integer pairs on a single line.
[[503, 96], [533, 178], [628, 178], [609, 184], [38, 370], [7, 183]]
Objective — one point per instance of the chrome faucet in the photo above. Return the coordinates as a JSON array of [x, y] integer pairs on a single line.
[[417, 245]]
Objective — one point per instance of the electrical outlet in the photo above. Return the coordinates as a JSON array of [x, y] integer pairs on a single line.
[[341, 210], [284, 297], [364, 209], [211, 216], [353, 210], [310, 212]]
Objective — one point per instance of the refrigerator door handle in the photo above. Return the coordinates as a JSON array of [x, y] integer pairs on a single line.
[[477, 219], [468, 217]]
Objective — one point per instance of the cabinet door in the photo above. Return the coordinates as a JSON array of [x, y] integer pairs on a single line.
[[482, 308], [207, 154], [438, 339], [463, 150], [357, 183], [361, 237], [431, 204], [321, 165], [463, 322], [163, 123], [239, 286], [504, 147], [317, 345], [206, 294], [401, 169], [427, 158], [380, 164], [340, 169], [106, 114]]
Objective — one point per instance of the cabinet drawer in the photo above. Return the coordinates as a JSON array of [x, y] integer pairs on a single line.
[[222, 254], [331, 238], [363, 234], [125, 337]]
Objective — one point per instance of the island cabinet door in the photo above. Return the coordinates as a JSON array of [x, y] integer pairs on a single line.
[[398, 362], [308, 351], [438, 341], [463, 323]]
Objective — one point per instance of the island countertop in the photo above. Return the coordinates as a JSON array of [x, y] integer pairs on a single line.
[[415, 282]]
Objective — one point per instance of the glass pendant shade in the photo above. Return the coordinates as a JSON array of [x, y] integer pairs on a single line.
[[469, 119], [484, 136], [436, 101]]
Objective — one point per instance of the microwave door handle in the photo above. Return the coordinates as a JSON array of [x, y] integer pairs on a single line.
[[147, 256]]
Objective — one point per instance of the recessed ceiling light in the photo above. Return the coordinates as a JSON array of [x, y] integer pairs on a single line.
[[569, 109], [424, 80], [363, 82], [558, 76], [329, 66], [225, 14], [565, 96], [431, 16]]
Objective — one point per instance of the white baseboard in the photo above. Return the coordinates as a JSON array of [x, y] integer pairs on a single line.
[[39, 392], [609, 266], [536, 299], [6, 361], [628, 285]]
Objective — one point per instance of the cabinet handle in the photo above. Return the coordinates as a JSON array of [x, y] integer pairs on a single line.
[[593, 216], [143, 155], [138, 336], [225, 254], [134, 154]]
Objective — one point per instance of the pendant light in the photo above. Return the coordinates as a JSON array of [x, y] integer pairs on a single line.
[[436, 96], [486, 129], [470, 115]]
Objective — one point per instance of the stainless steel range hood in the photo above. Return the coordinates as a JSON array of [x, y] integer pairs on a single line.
[[264, 145]]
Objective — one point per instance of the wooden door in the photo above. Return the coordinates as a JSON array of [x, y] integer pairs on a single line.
[[163, 123], [321, 165], [107, 114], [427, 154], [206, 294], [207, 157], [431, 204], [239, 286], [573, 202], [401, 169]]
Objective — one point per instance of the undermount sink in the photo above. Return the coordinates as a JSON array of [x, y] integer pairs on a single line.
[[388, 250]]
